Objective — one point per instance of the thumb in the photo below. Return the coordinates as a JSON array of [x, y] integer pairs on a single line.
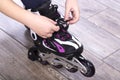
[[67, 12], [54, 27]]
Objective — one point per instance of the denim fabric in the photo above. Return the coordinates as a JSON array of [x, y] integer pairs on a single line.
[[30, 4]]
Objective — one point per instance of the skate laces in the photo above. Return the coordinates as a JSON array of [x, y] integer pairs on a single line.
[[62, 34]]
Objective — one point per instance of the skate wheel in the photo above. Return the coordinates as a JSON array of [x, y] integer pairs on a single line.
[[90, 69], [58, 66], [44, 62], [33, 53], [73, 70]]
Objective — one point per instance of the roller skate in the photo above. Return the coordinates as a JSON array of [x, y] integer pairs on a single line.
[[62, 49]]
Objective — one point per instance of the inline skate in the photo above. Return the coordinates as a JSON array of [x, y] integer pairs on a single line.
[[62, 49]]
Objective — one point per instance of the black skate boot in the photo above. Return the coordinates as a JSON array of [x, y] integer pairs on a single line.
[[61, 42], [62, 48], [48, 10]]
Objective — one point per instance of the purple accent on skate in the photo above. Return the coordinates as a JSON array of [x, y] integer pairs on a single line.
[[45, 42], [59, 47], [63, 35]]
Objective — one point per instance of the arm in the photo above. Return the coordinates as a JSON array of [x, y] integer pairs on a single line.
[[36, 22], [72, 7]]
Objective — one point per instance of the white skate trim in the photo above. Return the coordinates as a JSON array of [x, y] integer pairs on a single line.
[[33, 33], [76, 46], [47, 46], [78, 42]]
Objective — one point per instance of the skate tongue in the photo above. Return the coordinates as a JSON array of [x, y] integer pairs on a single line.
[[62, 34]]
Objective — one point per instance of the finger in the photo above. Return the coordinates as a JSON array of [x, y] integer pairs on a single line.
[[52, 21], [55, 28], [44, 36], [49, 35], [75, 17], [67, 13], [51, 32]]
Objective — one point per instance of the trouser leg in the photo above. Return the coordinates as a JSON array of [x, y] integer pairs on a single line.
[[31, 4]]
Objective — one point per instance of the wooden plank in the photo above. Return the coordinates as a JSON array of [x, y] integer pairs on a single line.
[[87, 9], [108, 20], [96, 61], [59, 2], [114, 4], [1, 77], [117, 1], [14, 64], [105, 72], [96, 40], [16, 30], [113, 60]]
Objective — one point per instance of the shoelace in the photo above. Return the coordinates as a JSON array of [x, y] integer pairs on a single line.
[[62, 34]]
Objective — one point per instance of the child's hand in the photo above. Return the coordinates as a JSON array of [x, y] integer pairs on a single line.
[[43, 26], [72, 11]]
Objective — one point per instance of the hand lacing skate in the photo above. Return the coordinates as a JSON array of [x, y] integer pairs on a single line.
[[61, 42], [62, 48]]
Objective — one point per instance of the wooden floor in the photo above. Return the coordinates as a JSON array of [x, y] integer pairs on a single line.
[[98, 29]]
